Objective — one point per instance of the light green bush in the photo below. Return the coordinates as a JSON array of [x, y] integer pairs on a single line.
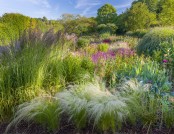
[[152, 40], [103, 47], [105, 35], [83, 42], [138, 33]]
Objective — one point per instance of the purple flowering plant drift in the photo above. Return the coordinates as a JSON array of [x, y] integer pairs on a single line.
[[126, 52], [103, 56]]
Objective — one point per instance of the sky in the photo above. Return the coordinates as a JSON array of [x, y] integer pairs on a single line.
[[53, 9]]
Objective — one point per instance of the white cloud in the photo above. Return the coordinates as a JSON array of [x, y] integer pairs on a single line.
[[85, 12], [86, 6], [86, 3], [122, 6], [43, 3]]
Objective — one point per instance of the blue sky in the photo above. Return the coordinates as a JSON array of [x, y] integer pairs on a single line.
[[53, 9]]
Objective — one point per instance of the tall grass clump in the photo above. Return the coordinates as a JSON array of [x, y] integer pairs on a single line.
[[152, 40], [43, 110], [65, 69], [21, 77], [22, 69]]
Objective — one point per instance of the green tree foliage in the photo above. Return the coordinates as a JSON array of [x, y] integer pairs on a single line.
[[139, 17], [78, 24], [151, 4], [106, 14], [13, 25], [166, 15], [16, 23], [121, 22]]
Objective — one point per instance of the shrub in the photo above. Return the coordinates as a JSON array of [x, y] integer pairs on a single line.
[[105, 35], [138, 33], [152, 40], [82, 42], [109, 27], [103, 47]]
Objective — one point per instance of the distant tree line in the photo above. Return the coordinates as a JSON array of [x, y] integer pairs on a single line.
[[142, 14]]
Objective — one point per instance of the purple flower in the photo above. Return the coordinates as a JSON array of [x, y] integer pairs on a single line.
[[165, 61], [103, 56]]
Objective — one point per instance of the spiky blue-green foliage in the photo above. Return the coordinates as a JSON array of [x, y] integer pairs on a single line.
[[146, 71]]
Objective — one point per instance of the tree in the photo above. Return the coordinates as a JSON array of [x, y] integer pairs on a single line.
[[121, 22], [151, 4], [16, 23], [77, 24], [106, 14], [139, 17], [44, 19], [166, 15]]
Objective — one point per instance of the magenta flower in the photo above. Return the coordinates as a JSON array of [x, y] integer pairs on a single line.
[[165, 61], [103, 56]]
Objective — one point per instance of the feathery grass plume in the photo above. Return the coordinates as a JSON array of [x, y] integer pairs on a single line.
[[74, 103], [133, 86], [43, 110], [108, 111], [89, 101]]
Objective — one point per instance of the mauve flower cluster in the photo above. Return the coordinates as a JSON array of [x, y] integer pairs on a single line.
[[165, 61], [103, 56], [125, 52], [106, 41]]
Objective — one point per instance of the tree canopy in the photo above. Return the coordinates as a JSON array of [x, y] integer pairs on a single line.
[[139, 17], [166, 16], [106, 14]]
